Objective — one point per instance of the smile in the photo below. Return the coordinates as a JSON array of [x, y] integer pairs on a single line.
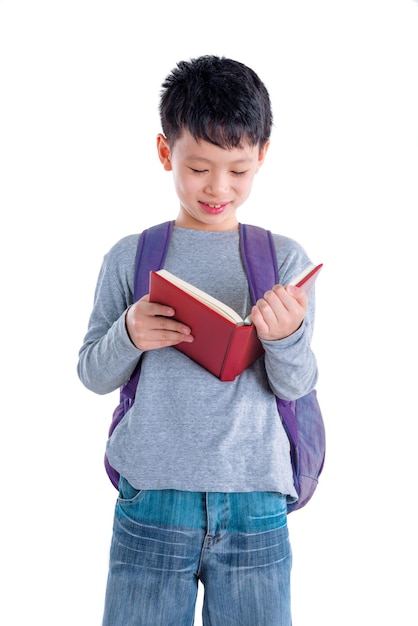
[[213, 208]]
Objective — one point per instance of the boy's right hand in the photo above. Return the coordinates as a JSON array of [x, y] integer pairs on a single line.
[[150, 326]]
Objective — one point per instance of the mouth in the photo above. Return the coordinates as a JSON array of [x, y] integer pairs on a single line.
[[213, 209]]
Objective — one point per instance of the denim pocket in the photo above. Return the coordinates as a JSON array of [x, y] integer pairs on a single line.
[[127, 493]]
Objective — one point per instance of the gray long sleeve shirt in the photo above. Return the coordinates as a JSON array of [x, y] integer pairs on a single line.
[[188, 430]]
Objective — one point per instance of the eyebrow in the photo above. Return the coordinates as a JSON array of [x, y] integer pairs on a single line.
[[194, 157]]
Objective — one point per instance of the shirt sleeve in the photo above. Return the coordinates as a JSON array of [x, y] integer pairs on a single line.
[[108, 356], [290, 363]]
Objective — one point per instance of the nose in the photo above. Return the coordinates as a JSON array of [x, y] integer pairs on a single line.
[[217, 185]]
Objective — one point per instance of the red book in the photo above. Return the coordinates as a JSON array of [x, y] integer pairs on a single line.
[[224, 343]]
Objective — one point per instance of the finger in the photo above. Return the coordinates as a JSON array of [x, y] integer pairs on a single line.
[[266, 314], [299, 294], [162, 338], [291, 298], [274, 305], [168, 337], [167, 324], [153, 309], [259, 321]]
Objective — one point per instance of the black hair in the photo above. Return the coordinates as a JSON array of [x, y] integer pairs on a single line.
[[217, 100]]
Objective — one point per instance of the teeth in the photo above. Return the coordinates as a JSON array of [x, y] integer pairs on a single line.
[[215, 206]]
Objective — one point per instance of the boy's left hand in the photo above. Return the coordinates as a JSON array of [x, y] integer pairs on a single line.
[[280, 312]]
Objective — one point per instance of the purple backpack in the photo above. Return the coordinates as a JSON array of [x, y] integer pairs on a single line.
[[302, 418]]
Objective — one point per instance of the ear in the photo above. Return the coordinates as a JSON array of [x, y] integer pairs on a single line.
[[262, 154], [164, 153]]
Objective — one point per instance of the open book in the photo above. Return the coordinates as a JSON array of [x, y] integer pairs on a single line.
[[224, 343]]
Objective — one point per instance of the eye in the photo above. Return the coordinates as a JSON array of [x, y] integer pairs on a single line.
[[239, 173], [197, 171]]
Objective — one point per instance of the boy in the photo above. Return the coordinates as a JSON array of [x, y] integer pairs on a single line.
[[204, 464]]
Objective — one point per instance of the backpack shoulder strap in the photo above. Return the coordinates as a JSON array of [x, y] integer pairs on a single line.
[[152, 250], [259, 258]]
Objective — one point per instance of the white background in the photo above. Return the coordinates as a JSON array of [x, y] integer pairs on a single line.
[[79, 88]]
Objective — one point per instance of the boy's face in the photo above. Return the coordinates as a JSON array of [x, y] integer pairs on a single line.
[[210, 182]]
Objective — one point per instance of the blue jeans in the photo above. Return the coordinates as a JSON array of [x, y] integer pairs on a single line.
[[164, 542]]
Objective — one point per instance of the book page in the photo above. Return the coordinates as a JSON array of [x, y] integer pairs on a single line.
[[202, 296]]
